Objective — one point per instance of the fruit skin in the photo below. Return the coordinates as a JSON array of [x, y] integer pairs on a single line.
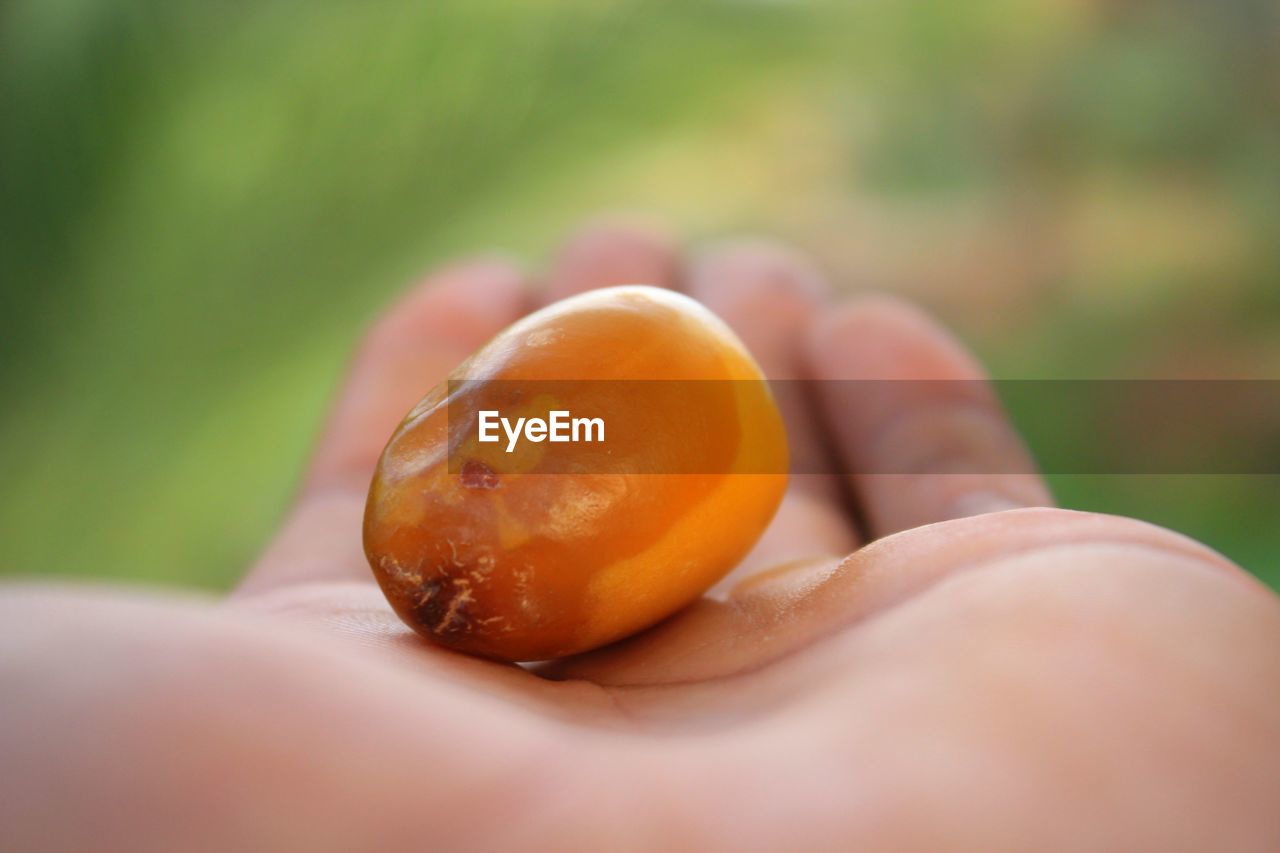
[[533, 565]]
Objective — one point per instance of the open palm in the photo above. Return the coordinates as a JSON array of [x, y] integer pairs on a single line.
[[912, 661]]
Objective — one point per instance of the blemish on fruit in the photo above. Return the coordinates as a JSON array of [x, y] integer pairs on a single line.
[[477, 475]]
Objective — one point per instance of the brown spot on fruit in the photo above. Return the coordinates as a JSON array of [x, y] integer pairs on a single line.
[[442, 606], [477, 475]]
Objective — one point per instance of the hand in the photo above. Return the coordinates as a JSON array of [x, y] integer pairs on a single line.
[[975, 674]]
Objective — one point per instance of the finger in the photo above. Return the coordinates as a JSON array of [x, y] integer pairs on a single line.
[[782, 611], [408, 351], [917, 451], [612, 252], [769, 296]]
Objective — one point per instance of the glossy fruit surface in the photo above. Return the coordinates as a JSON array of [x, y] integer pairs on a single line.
[[549, 549]]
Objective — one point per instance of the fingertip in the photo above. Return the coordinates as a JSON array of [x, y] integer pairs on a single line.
[[611, 251], [863, 309], [766, 292], [881, 336], [756, 270], [466, 302]]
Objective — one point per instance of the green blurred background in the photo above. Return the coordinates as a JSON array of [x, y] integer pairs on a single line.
[[202, 204]]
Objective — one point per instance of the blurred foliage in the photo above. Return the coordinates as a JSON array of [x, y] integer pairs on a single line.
[[202, 204]]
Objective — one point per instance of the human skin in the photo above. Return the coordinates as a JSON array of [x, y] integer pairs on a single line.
[[909, 662]]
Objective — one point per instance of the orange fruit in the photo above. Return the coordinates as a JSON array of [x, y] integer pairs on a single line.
[[528, 548]]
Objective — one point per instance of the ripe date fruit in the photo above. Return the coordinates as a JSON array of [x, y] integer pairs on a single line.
[[536, 540]]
